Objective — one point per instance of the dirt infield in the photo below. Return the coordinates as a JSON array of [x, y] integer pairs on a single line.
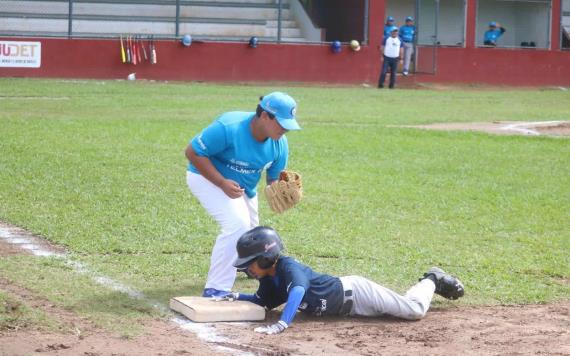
[[497, 330], [542, 128], [492, 330]]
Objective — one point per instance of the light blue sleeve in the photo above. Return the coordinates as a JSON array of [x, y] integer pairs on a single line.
[[294, 299], [210, 141], [281, 162]]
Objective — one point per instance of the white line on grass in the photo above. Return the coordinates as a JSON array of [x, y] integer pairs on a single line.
[[38, 247]]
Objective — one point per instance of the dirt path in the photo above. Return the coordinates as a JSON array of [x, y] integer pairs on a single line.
[[543, 128], [515, 330], [493, 330], [497, 330], [79, 336]]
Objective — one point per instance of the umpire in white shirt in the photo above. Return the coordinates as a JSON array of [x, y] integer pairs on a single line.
[[392, 51]]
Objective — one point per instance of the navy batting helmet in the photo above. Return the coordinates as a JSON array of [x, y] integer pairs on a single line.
[[336, 46], [253, 41], [261, 243]]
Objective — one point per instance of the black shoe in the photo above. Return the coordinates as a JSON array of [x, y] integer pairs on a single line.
[[445, 284], [381, 86]]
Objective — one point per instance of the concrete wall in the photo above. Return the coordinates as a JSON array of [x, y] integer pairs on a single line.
[[501, 66], [451, 30], [208, 61], [309, 31], [400, 9]]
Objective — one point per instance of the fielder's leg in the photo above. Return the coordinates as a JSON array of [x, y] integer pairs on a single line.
[[253, 209], [233, 217]]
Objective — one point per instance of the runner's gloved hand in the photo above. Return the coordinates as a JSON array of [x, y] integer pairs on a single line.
[[276, 328], [230, 297]]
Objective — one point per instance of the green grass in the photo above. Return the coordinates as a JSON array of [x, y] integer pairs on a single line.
[[16, 315], [98, 167], [59, 282]]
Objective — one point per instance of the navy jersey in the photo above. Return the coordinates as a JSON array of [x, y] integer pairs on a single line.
[[323, 293]]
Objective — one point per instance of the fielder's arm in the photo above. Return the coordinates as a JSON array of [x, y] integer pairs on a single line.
[[208, 171]]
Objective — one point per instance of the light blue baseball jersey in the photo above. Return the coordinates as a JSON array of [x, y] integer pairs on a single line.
[[407, 33], [229, 143], [493, 35], [387, 29]]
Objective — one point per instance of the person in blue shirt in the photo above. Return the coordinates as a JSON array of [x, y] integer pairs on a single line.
[[407, 35], [493, 34], [284, 280], [226, 161], [390, 22]]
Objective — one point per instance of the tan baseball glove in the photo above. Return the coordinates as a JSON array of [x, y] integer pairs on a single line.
[[284, 193]]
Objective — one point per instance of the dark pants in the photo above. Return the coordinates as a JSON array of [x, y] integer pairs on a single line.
[[392, 65]]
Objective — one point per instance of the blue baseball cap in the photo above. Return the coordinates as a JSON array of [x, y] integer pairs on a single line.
[[492, 24], [393, 28], [389, 18], [187, 40], [409, 18], [283, 107]]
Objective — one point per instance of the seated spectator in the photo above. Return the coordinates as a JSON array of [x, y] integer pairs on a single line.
[[493, 34]]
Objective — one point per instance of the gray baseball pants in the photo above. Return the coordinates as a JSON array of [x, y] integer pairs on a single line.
[[408, 51], [372, 299]]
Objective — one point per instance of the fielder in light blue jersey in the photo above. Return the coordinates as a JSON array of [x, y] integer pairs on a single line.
[[226, 161]]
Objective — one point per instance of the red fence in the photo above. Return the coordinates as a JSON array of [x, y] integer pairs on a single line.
[[217, 61]]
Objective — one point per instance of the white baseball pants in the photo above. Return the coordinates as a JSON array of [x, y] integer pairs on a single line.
[[371, 299], [235, 217]]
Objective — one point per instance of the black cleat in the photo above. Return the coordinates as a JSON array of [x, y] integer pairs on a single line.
[[445, 284]]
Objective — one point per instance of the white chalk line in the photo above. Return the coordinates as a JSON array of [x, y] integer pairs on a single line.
[[205, 332], [524, 127], [55, 98]]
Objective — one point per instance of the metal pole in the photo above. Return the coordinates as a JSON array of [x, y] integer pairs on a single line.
[[70, 19], [436, 44], [279, 10], [366, 19], [417, 37], [177, 18]]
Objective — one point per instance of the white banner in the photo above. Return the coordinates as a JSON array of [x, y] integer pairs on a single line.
[[20, 54]]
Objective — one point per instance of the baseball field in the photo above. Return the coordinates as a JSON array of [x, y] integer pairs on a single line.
[[92, 175]]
